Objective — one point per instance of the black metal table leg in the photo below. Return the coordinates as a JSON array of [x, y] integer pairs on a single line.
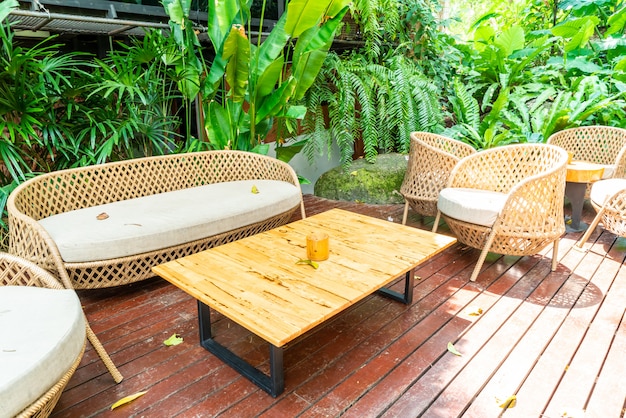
[[407, 297], [274, 384]]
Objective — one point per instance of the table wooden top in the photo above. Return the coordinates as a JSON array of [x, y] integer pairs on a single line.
[[258, 283], [584, 172]]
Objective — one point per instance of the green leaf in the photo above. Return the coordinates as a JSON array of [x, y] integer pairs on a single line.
[[510, 40], [616, 22], [5, 8], [304, 14], [237, 53], [218, 126], [453, 350], [222, 15], [175, 339], [274, 103], [266, 83], [309, 262]]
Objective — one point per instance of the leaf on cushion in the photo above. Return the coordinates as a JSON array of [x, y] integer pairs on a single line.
[[102, 216], [127, 399], [255, 190], [175, 339]]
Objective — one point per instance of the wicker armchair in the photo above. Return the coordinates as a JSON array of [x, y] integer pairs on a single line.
[[608, 198], [605, 145], [507, 200], [431, 160], [16, 271]]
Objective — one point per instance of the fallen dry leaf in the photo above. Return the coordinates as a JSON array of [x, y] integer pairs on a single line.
[[453, 350], [474, 311], [127, 399], [508, 402], [102, 216], [255, 190]]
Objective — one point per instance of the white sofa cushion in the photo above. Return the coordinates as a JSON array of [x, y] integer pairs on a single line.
[[163, 220], [475, 206], [601, 190], [42, 332]]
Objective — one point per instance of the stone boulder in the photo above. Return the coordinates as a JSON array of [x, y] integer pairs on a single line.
[[373, 183]]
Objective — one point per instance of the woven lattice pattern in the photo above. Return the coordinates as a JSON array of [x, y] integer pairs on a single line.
[[604, 145], [431, 159], [533, 177], [67, 190], [15, 271], [612, 215]]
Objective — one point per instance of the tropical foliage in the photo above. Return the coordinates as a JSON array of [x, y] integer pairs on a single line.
[[521, 85], [252, 82]]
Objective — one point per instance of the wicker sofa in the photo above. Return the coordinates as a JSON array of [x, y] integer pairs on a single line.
[[107, 225]]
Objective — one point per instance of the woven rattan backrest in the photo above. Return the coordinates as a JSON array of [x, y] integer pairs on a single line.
[[440, 143], [500, 169], [67, 190], [15, 271], [431, 159], [596, 144]]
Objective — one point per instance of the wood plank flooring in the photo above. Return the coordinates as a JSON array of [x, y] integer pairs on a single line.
[[556, 340]]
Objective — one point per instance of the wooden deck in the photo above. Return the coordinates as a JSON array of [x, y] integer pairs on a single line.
[[556, 340]]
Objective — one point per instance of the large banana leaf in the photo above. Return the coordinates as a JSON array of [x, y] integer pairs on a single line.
[[310, 52], [303, 14], [222, 15], [237, 53]]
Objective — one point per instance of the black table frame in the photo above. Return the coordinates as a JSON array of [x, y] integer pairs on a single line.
[[274, 384]]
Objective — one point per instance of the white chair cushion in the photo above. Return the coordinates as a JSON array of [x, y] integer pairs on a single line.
[[42, 333], [609, 169], [163, 220], [480, 207], [601, 190]]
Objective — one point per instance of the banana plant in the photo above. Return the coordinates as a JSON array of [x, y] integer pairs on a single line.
[[250, 82]]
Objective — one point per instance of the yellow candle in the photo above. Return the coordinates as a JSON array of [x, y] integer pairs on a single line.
[[317, 246]]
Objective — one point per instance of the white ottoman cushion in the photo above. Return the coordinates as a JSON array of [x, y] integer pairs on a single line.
[[42, 333], [163, 220], [601, 190], [475, 206]]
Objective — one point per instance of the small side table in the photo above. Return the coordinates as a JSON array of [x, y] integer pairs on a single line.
[[579, 175]]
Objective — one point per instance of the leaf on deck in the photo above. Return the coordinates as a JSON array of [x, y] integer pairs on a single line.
[[175, 339], [127, 399], [453, 350]]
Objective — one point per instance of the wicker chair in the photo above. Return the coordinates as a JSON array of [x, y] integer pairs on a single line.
[[605, 145], [15, 271], [608, 198], [18, 271], [507, 200], [431, 160]]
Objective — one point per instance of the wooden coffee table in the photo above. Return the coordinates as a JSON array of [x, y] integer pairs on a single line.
[[258, 283]]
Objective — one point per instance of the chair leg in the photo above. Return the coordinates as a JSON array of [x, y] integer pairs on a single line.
[[406, 212], [555, 253], [104, 356], [436, 224], [481, 258], [590, 229]]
